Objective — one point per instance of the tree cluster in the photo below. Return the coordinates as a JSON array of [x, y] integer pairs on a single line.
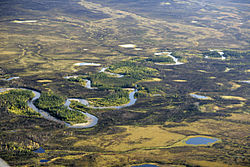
[[15, 101], [54, 104]]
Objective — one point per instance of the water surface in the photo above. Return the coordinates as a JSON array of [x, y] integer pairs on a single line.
[[88, 84], [91, 119], [110, 73], [128, 46], [87, 64], [245, 82], [132, 101], [24, 21], [198, 96], [168, 54], [201, 140], [40, 150], [11, 78], [146, 165]]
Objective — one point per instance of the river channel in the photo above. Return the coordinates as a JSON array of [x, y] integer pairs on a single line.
[[168, 54], [91, 119]]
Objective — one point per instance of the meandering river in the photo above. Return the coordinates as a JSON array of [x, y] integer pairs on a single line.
[[11, 78], [168, 54], [109, 73], [91, 119], [132, 99], [219, 52]]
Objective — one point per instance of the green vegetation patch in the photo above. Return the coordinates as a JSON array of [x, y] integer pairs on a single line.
[[229, 54], [133, 70], [53, 104], [233, 54], [104, 81], [20, 147], [79, 106], [161, 59], [81, 80], [214, 54], [115, 98], [16, 102]]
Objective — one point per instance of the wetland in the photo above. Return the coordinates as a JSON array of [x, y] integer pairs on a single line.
[[124, 83]]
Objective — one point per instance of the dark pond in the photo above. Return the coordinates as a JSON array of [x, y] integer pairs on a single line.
[[44, 160], [40, 150], [146, 165], [200, 140]]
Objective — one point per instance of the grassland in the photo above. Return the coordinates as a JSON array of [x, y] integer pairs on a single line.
[[134, 138]]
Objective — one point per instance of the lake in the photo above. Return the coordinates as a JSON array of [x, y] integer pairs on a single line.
[[146, 165], [201, 140]]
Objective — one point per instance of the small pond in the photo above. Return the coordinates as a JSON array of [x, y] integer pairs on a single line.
[[198, 96], [201, 140], [245, 81], [87, 64], [128, 46], [40, 150], [146, 165], [11, 78], [24, 21], [44, 160]]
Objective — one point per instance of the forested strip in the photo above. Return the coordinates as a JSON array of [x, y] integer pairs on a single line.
[[234, 54], [161, 59], [132, 71], [15, 101], [54, 104], [227, 53], [136, 71], [104, 82], [115, 98]]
